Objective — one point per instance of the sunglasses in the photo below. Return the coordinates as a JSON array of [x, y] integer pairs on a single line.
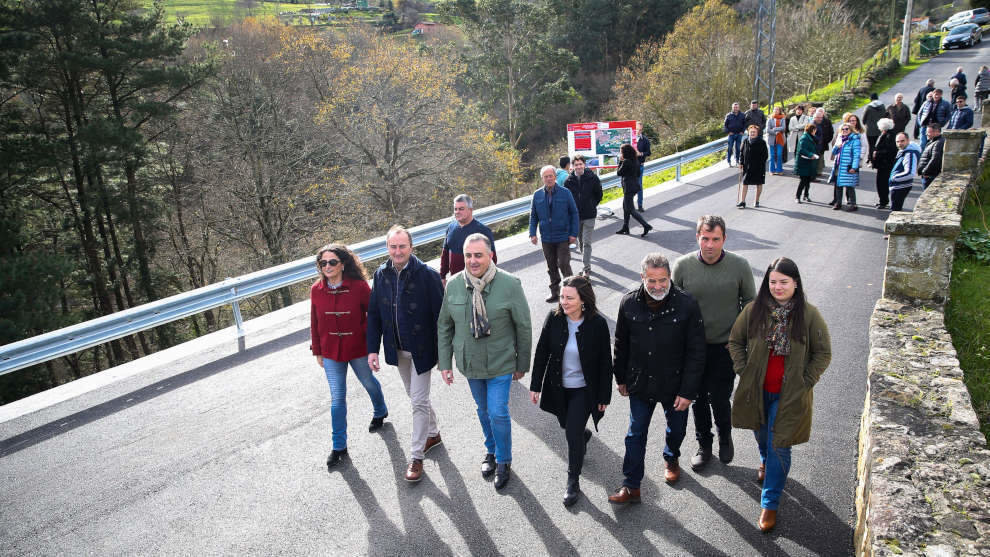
[[330, 262]]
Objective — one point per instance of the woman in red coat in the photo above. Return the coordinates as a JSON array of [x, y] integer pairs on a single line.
[[338, 321]]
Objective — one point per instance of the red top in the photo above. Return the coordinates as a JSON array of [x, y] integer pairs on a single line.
[[775, 373], [339, 319]]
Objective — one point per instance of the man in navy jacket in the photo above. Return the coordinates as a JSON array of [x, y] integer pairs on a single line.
[[402, 314], [554, 211], [733, 126]]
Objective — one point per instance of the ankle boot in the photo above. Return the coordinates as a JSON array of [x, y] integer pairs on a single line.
[[572, 492]]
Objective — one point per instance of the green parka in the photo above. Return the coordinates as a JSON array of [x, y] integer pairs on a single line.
[[803, 367], [506, 350], [804, 158]]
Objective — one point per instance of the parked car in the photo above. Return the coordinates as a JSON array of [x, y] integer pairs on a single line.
[[979, 16], [966, 34]]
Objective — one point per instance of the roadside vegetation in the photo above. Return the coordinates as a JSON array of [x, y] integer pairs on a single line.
[[967, 315]]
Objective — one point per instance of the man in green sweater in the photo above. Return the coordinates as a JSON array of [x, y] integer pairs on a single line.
[[722, 282]]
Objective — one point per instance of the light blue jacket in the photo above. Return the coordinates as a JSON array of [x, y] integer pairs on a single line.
[[847, 157], [558, 219], [905, 167]]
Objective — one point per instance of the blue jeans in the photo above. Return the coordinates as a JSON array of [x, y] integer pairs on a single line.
[[924, 137], [777, 460], [776, 158], [639, 196], [734, 139], [492, 398], [640, 414], [337, 378]]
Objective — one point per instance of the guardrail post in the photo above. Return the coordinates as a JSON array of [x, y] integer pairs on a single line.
[[677, 170], [238, 320]]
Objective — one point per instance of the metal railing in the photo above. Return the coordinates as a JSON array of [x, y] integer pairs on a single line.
[[68, 340]]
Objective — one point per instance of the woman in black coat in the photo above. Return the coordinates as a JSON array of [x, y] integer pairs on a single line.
[[572, 371], [629, 172], [754, 155], [884, 155]]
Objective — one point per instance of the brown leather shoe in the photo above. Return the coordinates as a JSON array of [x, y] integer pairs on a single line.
[[624, 495], [768, 519], [672, 472], [432, 442], [415, 471], [761, 472]]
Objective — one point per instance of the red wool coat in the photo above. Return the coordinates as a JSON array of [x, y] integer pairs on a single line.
[[339, 319]]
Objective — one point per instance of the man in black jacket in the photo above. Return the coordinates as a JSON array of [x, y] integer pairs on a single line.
[[824, 133], [659, 357], [755, 116], [586, 189], [930, 163], [919, 100]]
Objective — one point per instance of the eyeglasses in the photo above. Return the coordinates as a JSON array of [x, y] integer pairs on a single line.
[[845, 129], [330, 262]]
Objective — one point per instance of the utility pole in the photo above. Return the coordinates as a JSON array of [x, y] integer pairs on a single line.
[[906, 39], [890, 26]]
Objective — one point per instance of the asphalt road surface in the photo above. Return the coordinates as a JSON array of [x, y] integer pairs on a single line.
[[220, 451]]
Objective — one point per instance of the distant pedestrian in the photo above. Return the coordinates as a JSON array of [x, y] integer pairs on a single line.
[[955, 89], [806, 162], [554, 212], [935, 111], [982, 87], [776, 140], [872, 114], [959, 76], [930, 163], [845, 167], [463, 225], [919, 100], [563, 169], [734, 126], [902, 174], [656, 317], [780, 348], [962, 115], [572, 371], [642, 151], [884, 154], [484, 327], [755, 116], [628, 171], [338, 317], [402, 318], [722, 283], [824, 133], [586, 189], [795, 126], [899, 113], [754, 165]]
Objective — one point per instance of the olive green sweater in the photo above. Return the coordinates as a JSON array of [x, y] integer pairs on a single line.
[[722, 290]]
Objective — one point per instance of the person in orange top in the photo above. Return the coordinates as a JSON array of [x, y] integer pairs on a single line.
[[338, 321], [776, 141]]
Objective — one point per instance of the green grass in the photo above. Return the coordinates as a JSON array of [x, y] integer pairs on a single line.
[[669, 174], [967, 315], [208, 12]]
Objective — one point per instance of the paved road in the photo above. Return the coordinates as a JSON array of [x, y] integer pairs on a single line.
[[223, 452]]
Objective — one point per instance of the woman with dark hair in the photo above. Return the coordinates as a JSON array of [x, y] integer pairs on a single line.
[[780, 347], [629, 171], [754, 154], [572, 370], [806, 161], [338, 321]]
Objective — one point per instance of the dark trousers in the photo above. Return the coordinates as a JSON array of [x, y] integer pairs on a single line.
[[640, 414], [804, 187], [558, 256], [713, 398], [629, 210], [850, 195], [927, 181], [574, 421], [871, 141], [883, 185], [897, 198]]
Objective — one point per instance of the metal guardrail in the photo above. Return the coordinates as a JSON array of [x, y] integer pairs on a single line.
[[68, 340]]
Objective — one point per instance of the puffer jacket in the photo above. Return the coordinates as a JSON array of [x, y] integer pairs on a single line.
[[803, 367], [905, 167], [871, 115], [660, 356], [847, 157]]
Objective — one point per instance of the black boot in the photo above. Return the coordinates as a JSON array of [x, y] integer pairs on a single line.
[[573, 490], [335, 457], [502, 474]]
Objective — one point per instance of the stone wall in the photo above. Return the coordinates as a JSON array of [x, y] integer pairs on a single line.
[[924, 467]]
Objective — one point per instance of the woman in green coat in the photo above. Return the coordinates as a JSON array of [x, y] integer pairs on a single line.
[[806, 161], [780, 347]]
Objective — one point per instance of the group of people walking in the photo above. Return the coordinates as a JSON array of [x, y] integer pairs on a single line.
[[682, 336], [879, 140]]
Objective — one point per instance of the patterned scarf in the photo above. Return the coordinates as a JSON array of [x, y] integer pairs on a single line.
[[777, 335], [479, 315]]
